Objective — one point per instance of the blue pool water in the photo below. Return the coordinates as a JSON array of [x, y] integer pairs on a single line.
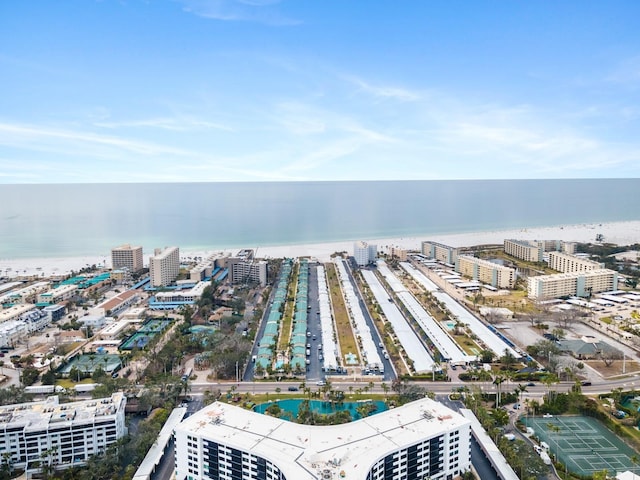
[[291, 406]]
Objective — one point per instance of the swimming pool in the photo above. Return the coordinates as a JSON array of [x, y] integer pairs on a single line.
[[291, 407]]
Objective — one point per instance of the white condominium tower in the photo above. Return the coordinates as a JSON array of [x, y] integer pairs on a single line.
[[63, 435], [127, 257], [364, 253], [164, 266], [422, 439]]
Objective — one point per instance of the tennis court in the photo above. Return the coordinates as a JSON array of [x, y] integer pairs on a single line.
[[583, 444], [89, 362]]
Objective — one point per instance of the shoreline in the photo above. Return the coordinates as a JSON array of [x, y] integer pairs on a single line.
[[621, 233]]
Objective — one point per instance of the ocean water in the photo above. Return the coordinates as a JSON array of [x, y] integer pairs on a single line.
[[90, 219]]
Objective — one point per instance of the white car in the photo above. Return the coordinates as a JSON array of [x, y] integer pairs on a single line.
[[321, 383]]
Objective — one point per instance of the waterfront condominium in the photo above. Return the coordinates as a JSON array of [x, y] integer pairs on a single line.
[[247, 271], [422, 439], [164, 266], [565, 263], [581, 284], [524, 250], [440, 252], [485, 271], [127, 257], [61, 435], [364, 253]]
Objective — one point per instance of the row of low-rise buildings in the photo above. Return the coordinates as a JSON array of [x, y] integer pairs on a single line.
[[20, 321]]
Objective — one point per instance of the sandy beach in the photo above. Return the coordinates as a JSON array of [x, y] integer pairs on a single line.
[[621, 233]]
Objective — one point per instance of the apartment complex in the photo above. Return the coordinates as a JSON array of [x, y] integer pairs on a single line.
[[202, 270], [247, 270], [533, 251], [164, 266], [364, 253], [565, 263], [556, 246], [527, 251], [485, 271], [23, 325], [440, 252], [422, 439], [127, 257], [60, 434], [56, 295], [400, 253], [26, 294], [580, 284]]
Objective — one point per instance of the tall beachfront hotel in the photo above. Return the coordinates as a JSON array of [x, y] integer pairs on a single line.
[[127, 256], [422, 439], [164, 266]]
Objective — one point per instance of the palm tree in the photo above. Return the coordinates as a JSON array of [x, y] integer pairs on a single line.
[[548, 381], [385, 389], [497, 381], [520, 389]]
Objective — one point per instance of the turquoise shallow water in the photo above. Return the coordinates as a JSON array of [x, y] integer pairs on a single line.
[[77, 220], [292, 405]]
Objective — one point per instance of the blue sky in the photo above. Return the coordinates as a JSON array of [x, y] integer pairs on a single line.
[[267, 90]]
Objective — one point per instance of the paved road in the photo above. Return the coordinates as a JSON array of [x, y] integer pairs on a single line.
[[389, 371], [478, 458], [165, 469], [344, 382]]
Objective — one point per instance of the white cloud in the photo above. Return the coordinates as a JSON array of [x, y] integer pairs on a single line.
[[380, 91], [256, 11], [181, 124], [30, 137]]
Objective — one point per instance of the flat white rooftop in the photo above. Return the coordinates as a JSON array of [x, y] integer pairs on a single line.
[[304, 451], [44, 414]]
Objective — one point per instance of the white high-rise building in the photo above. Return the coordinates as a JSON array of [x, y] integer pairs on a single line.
[[127, 257], [422, 439], [364, 253], [63, 434], [164, 266]]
